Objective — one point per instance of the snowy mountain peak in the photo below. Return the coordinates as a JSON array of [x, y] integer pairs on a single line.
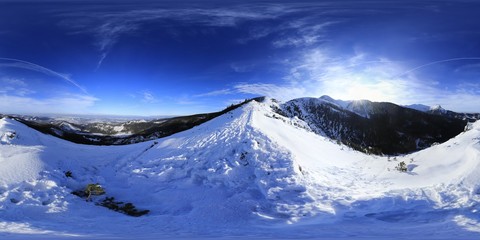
[[424, 108], [340, 103], [437, 108], [360, 107]]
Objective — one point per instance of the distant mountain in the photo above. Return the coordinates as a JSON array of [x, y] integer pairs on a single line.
[[375, 127], [118, 133], [439, 110], [419, 107], [359, 107]]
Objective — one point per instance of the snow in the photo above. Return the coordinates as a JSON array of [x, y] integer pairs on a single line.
[[118, 128], [362, 108], [69, 127], [438, 108], [249, 173], [419, 107]]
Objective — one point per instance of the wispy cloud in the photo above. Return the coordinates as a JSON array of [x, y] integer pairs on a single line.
[[437, 62], [18, 95], [14, 86], [283, 92], [13, 81], [361, 76], [145, 96], [472, 68], [148, 97], [242, 67], [17, 63], [108, 26], [66, 103], [215, 93], [299, 32], [304, 32]]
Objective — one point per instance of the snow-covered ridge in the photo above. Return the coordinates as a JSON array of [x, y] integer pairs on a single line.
[[242, 173], [360, 107], [438, 108], [419, 107]]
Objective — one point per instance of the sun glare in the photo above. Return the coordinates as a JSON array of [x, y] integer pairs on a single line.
[[362, 89]]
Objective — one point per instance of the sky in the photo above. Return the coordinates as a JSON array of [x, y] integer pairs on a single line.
[[153, 58]]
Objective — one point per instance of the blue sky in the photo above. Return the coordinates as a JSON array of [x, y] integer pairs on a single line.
[[183, 57]]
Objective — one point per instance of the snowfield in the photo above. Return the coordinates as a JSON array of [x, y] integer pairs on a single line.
[[250, 173]]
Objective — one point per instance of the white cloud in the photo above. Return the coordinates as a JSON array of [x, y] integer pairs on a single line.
[[280, 92], [108, 26], [17, 63], [13, 81], [215, 93], [360, 76], [14, 86], [475, 67], [148, 97], [241, 67], [18, 96], [304, 32], [70, 103], [145, 96]]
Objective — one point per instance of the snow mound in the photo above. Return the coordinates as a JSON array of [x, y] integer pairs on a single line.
[[250, 172]]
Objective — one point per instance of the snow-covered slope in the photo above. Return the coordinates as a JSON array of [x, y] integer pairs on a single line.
[[248, 173], [374, 127], [419, 107], [362, 108]]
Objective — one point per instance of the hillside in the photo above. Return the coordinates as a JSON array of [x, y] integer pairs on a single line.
[[373, 127], [247, 173], [109, 132]]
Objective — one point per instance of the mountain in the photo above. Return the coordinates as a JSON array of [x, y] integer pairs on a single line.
[[249, 172], [115, 132], [470, 117], [373, 127], [419, 107], [378, 128], [439, 110]]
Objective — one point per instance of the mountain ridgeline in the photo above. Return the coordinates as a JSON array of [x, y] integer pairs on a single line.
[[374, 127], [371, 127], [103, 133]]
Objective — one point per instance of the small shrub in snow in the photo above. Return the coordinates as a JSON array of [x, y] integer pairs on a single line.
[[125, 208], [402, 166], [11, 135], [68, 174], [109, 202], [93, 189]]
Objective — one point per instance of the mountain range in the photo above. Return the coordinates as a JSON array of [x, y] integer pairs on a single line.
[[371, 127], [261, 169]]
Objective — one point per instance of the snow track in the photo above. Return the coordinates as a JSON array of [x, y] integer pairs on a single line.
[[247, 173]]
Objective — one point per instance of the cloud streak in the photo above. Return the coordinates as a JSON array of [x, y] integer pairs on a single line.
[[17, 63], [16, 96], [437, 62], [215, 93], [148, 97], [109, 26]]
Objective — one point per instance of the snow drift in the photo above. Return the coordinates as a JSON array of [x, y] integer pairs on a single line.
[[250, 173]]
